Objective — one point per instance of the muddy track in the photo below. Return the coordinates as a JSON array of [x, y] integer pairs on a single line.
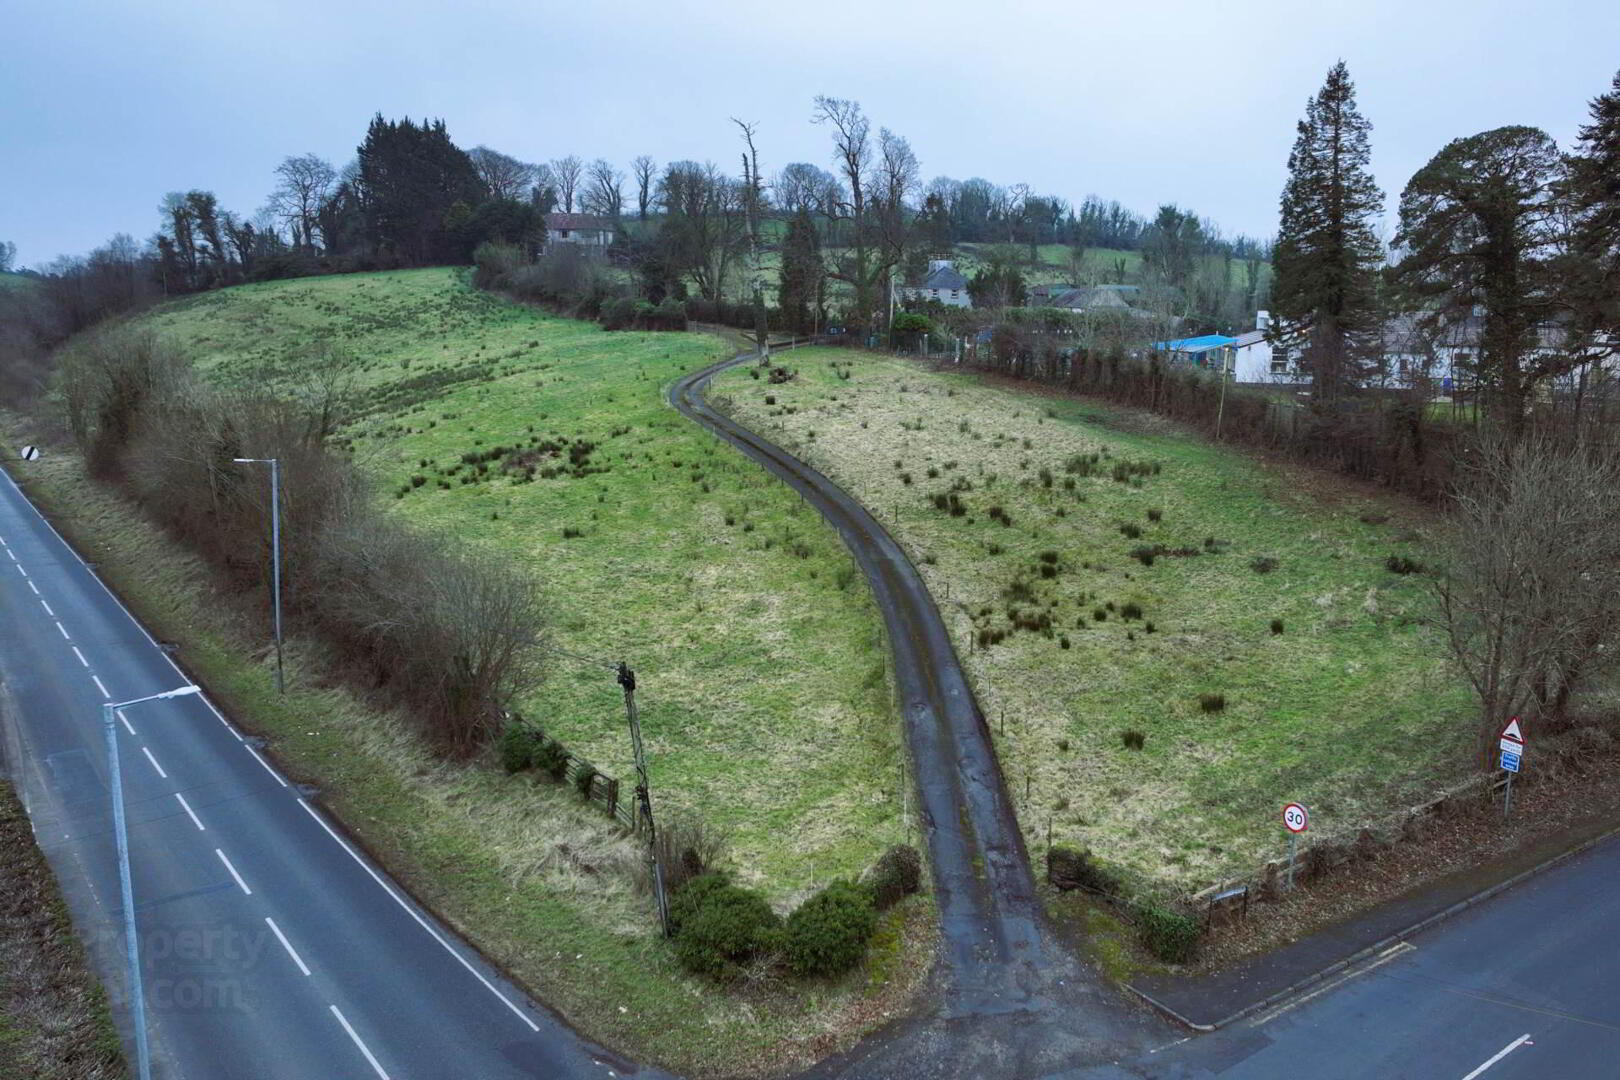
[[996, 951]]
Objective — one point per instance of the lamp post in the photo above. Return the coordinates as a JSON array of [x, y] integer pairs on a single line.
[[275, 553], [137, 991]]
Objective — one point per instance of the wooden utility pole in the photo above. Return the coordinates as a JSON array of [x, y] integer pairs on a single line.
[[644, 814]]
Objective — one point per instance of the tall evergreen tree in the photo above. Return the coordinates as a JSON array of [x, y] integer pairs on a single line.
[[1324, 291], [1484, 231], [801, 272], [409, 178], [1593, 185]]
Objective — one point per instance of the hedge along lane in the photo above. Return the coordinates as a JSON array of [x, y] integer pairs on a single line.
[[998, 956]]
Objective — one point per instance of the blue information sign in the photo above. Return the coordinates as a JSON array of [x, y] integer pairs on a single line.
[[1510, 762]]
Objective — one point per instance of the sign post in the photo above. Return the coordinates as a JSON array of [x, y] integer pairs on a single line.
[[1296, 820], [1511, 747]]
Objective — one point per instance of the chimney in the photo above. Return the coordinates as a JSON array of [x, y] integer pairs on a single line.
[[1262, 320]]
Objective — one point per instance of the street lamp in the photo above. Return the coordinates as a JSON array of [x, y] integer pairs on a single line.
[[137, 992], [275, 552]]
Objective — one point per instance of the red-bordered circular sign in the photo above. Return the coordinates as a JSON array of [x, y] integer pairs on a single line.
[[1295, 818]]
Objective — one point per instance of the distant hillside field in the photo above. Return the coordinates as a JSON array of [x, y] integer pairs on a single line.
[[763, 688]]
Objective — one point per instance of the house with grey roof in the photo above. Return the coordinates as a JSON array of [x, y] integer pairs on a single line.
[[586, 230], [943, 283]]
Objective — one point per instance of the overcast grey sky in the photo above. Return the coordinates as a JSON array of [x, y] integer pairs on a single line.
[[105, 106]]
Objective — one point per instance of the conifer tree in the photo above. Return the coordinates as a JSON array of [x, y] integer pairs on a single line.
[[801, 271], [1593, 184], [1327, 255]]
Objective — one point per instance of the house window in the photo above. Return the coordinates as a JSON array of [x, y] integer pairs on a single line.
[[565, 234], [1279, 365], [953, 293]]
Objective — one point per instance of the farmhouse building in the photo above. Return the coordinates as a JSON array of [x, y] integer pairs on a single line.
[[943, 283], [586, 230]]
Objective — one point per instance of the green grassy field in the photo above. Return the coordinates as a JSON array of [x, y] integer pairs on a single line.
[[763, 689], [1073, 643]]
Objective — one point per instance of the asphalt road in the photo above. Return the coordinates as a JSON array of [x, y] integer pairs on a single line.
[[1525, 986], [272, 947]]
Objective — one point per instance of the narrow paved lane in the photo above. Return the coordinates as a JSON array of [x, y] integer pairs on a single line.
[[999, 961], [272, 947]]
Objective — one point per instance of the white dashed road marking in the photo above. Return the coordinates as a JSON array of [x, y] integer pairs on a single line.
[[232, 869], [100, 687], [358, 1043], [189, 812], [285, 944], [1500, 1054], [155, 765]]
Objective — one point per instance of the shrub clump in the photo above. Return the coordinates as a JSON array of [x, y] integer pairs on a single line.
[[584, 779], [1169, 935], [1070, 868], [1263, 564], [1133, 739], [1276, 626], [518, 743], [896, 875], [1211, 703], [718, 926], [828, 933], [549, 756], [1400, 564]]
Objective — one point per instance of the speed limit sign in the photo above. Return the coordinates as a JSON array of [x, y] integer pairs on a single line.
[[1295, 819]]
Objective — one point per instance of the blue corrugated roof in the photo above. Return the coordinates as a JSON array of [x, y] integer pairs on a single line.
[[1196, 344]]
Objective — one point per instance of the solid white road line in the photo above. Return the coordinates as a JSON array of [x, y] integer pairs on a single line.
[[232, 869], [267, 767], [1383, 958], [127, 725], [63, 630], [80, 655], [285, 944], [189, 812], [1500, 1054], [47, 608], [420, 921], [357, 1042], [100, 687], [155, 765]]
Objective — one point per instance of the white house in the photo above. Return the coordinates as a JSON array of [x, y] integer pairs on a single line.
[[1257, 361], [586, 230], [943, 283]]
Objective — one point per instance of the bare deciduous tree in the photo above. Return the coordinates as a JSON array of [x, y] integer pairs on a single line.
[[566, 174], [645, 171], [303, 184], [604, 190], [505, 176], [1530, 598]]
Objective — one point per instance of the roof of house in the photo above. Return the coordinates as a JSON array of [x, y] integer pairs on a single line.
[[1196, 344], [1417, 332], [558, 220], [1088, 299], [1252, 337], [941, 277]]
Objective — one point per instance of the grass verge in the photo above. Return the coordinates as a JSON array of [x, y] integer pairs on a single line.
[[1170, 639], [54, 1023]]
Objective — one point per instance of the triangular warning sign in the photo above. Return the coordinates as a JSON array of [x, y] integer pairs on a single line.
[[1512, 731]]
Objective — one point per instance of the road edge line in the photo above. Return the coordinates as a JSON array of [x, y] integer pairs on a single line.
[[1383, 943]]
